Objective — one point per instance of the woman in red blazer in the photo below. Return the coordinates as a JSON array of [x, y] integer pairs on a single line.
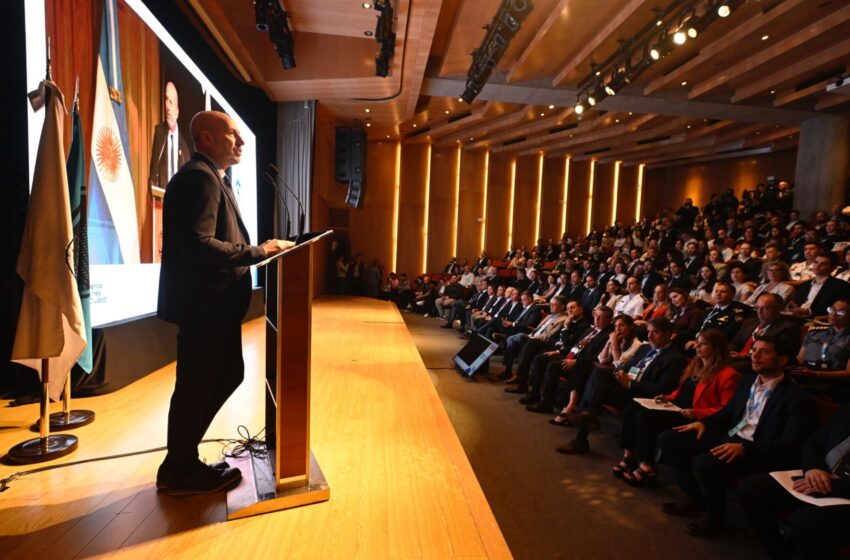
[[707, 384]]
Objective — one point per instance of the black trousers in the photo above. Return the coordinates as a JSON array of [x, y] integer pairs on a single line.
[[601, 389], [209, 369], [702, 476], [641, 427], [816, 532]]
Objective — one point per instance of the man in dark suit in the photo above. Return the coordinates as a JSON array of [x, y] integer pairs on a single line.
[[205, 288], [692, 262], [650, 279], [678, 279], [816, 532], [727, 315], [654, 370], [592, 292], [768, 321], [760, 430], [509, 311], [523, 323], [576, 289], [169, 151], [815, 295]]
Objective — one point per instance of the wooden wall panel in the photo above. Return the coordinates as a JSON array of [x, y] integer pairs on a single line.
[[552, 206], [498, 199], [525, 210], [669, 186], [441, 207], [577, 198], [627, 196], [370, 226], [411, 217], [603, 181], [471, 200]]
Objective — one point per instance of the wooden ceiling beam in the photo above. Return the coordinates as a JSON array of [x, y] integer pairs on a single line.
[[713, 49], [490, 127], [839, 51], [546, 141], [752, 63], [553, 18], [540, 124], [830, 100], [601, 37], [449, 126], [582, 144]]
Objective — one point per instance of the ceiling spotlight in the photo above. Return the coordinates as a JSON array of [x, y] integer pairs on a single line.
[[689, 126], [692, 32], [367, 5], [367, 33], [772, 91], [591, 100], [551, 107], [542, 114], [684, 84], [447, 111], [460, 99], [680, 37], [609, 90], [654, 53], [617, 120], [414, 125], [367, 110], [579, 108], [368, 124], [659, 23], [724, 10], [472, 139], [765, 37]]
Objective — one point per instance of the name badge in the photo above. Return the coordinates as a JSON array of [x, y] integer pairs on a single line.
[[575, 350], [634, 372], [738, 427]]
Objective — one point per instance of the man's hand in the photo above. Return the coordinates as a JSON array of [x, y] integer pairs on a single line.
[[623, 379], [567, 363], [728, 451], [697, 427], [551, 354], [816, 481], [274, 246]]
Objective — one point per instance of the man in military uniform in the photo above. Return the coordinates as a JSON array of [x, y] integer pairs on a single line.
[[727, 315], [825, 355]]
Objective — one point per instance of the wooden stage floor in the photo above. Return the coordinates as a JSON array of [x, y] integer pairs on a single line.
[[401, 485]]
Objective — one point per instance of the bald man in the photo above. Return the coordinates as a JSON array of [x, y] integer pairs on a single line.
[[205, 288], [169, 150]]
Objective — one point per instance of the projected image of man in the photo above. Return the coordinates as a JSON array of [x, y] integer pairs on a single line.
[[170, 150]]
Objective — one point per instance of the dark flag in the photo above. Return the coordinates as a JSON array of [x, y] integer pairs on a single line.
[[77, 191]]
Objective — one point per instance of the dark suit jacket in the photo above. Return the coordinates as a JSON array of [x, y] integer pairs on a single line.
[[493, 304], [206, 251], [478, 300], [728, 321], [590, 353], [572, 333], [787, 420], [832, 290], [590, 298], [648, 283], [158, 169], [821, 442], [787, 332], [528, 321], [662, 375], [574, 293], [681, 282]]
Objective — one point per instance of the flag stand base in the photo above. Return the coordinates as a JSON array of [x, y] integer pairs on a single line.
[[60, 421], [38, 450]]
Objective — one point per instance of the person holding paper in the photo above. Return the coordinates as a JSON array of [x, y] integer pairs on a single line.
[[706, 385], [816, 532], [760, 430], [205, 288]]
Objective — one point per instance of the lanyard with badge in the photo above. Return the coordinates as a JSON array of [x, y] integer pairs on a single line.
[[636, 371], [754, 401]]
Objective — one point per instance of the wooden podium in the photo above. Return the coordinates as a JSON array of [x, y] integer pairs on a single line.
[[290, 475]]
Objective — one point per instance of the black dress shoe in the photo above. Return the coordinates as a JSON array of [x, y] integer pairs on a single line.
[[703, 528], [540, 407], [201, 479], [685, 508], [163, 472], [518, 390], [574, 447], [529, 399]]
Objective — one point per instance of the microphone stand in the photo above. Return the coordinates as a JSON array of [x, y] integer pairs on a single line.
[[297, 199], [280, 198]]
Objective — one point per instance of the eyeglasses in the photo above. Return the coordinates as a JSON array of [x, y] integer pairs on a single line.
[[839, 312]]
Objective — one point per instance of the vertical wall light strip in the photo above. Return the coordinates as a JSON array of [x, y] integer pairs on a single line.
[[566, 192], [616, 188], [539, 197], [639, 191], [396, 196], [427, 198], [455, 234], [590, 194], [511, 206], [484, 206]]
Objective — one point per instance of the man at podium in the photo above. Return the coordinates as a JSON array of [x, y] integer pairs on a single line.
[[205, 288]]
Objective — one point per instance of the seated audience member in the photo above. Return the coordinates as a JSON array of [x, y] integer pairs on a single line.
[[816, 533], [768, 321], [760, 430], [424, 298], [776, 283], [692, 261], [632, 302], [491, 309], [824, 356], [752, 265], [575, 328], [576, 288], [738, 279], [611, 295], [706, 385], [772, 255], [452, 292], [510, 311], [650, 278], [546, 293], [620, 274], [523, 323], [533, 281], [521, 344], [805, 269], [716, 261], [842, 271], [592, 292], [702, 294], [578, 362], [684, 315], [460, 307], [816, 294], [727, 315], [467, 278], [656, 308], [452, 267], [654, 370], [678, 278]]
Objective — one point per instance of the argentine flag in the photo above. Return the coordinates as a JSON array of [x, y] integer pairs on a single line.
[[113, 226]]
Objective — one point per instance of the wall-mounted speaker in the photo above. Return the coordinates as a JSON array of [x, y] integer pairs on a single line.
[[350, 153]]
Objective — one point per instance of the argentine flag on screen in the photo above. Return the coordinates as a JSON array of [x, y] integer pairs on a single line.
[[113, 226]]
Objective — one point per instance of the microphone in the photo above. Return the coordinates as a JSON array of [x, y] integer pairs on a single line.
[[297, 199], [159, 160], [271, 180]]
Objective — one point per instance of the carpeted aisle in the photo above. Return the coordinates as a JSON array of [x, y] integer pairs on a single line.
[[550, 505]]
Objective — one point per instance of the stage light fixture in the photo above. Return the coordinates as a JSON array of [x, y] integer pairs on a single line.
[[591, 100], [654, 53], [271, 18], [680, 37], [551, 107], [692, 32], [367, 5], [724, 10], [609, 90], [579, 108]]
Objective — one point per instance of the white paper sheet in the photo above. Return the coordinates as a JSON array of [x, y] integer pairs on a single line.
[[784, 478], [652, 405]]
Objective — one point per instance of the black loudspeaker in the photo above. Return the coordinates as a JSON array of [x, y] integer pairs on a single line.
[[351, 162], [475, 356]]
